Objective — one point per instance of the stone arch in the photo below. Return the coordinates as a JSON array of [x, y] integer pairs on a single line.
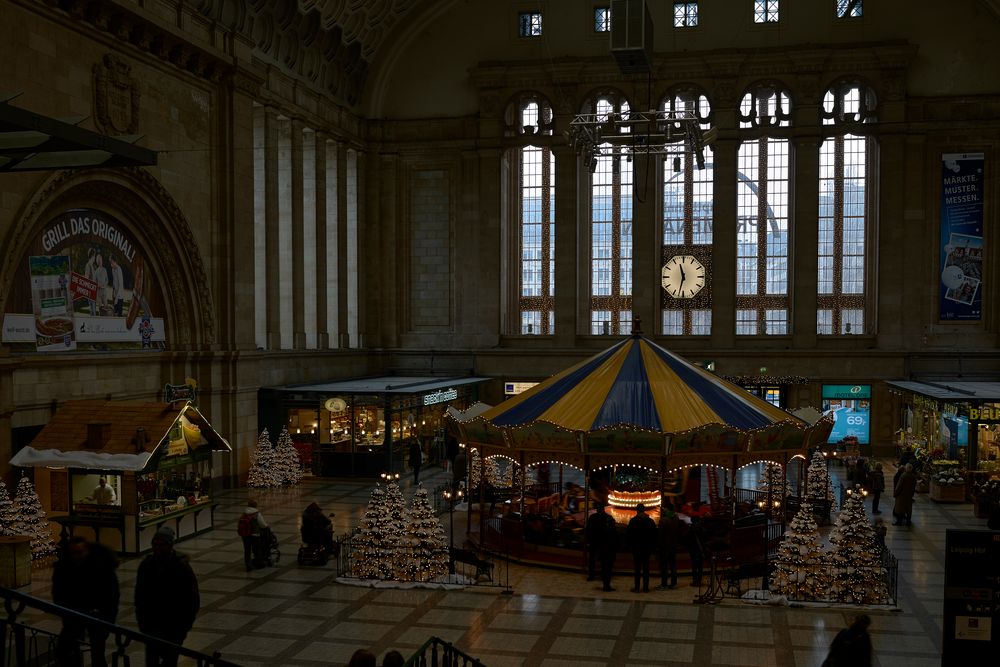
[[138, 200]]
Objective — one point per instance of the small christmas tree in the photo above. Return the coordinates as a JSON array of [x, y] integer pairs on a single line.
[[263, 472], [819, 488], [773, 479], [288, 467], [857, 555], [397, 518], [475, 468], [370, 540], [425, 556], [8, 517], [493, 472], [31, 520], [800, 570]]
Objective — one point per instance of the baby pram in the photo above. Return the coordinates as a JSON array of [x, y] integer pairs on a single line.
[[268, 552]]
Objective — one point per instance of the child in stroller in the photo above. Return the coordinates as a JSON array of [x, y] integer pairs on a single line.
[[269, 553], [317, 537]]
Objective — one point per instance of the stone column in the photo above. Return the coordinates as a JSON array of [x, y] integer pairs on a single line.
[[805, 239], [321, 250], [567, 247], [343, 311], [724, 245], [272, 217], [645, 244], [298, 294]]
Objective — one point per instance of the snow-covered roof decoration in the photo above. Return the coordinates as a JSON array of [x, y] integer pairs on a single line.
[[29, 456]]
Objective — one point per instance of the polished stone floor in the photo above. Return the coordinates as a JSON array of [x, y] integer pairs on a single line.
[[292, 615]]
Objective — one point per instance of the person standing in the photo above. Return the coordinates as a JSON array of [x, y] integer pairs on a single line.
[[852, 646], [416, 458], [451, 449], [84, 580], [166, 598], [89, 272], [104, 494], [641, 536], [251, 529], [460, 468], [101, 278], [602, 538], [902, 510], [669, 531], [695, 548], [876, 484]]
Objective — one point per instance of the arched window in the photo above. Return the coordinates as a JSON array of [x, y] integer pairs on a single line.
[[762, 233], [687, 224], [536, 174], [845, 160], [610, 226]]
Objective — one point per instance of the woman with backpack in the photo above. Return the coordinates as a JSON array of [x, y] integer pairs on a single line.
[[250, 529]]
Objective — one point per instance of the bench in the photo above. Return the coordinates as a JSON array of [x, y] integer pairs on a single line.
[[483, 567]]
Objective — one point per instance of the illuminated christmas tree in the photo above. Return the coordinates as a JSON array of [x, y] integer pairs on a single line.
[[369, 543], [856, 555], [263, 472], [493, 475], [30, 520], [772, 479], [425, 553], [8, 516], [287, 465], [475, 468], [800, 569], [819, 488]]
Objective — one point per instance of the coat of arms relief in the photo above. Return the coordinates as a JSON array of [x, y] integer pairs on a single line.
[[116, 96]]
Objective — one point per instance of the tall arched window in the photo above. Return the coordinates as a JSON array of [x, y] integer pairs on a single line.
[[610, 228], [763, 185], [845, 160], [687, 222], [531, 116]]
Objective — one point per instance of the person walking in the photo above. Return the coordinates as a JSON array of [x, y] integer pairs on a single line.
[[166, 598], [876, 484], [416, 458], [251, 529], [852, 647], [669, 532], [902, 510], [641, 536], [602, 540], [84, 580]]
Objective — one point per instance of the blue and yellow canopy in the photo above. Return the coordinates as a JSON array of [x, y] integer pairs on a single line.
[[637, 391]]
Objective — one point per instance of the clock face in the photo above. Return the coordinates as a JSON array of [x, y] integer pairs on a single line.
[[683, 276]]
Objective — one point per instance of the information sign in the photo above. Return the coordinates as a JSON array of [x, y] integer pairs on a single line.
[[971, 597]]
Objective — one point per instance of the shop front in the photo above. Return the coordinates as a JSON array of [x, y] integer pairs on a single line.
[[365, 426], [115, 471], [951, 425]]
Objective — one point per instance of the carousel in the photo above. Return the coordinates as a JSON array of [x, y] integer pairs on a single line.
[[634, 424]]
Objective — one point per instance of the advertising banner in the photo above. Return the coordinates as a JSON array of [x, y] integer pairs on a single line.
[[850, 406], [85, 287], [961, 289]]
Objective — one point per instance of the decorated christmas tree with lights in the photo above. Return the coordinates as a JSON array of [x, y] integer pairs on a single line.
[[30, 520], [772, 479], [287, 466], [425, 557], [475, 468], [370, 547], [8, 517], [819, 488], [493, 473], [800, 567], [263, 464], [856, 556]]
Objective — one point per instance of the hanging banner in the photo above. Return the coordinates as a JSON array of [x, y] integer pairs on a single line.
[[86, 286], [961, 289]]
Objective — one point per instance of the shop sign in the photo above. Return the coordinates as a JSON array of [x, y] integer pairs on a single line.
[[849, 391], [514, 388], [925, 403], [440, 396], [178, 392], [335, 405], [984, 415]]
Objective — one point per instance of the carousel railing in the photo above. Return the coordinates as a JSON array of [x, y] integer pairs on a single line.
[[437, 652]]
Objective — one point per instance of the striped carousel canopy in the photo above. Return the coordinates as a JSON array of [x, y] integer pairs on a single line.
[[637, 396]]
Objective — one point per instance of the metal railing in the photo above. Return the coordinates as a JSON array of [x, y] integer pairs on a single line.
[[442, 654], [477, 568], [887, 571], [27, 645]]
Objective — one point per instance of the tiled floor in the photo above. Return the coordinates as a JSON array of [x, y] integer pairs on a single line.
[[291, 615]]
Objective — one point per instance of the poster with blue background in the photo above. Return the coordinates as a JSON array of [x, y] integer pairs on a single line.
[[961, 289]]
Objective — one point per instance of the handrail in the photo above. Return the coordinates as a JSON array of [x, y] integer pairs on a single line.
[[15, 603], [450, 656]]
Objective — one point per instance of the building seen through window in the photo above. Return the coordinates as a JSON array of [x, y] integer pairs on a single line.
[[529, 24]]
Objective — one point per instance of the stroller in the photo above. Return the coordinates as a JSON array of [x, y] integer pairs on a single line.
[[268, 554]]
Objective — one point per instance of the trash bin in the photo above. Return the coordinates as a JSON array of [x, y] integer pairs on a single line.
[[15, 561]]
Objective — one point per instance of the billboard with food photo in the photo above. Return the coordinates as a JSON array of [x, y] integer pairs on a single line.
[[85, 286]]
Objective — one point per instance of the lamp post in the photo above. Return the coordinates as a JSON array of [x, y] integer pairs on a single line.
[[388, 477], [451, 496]]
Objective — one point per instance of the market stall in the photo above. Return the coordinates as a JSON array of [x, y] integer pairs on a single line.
[[116, 471]]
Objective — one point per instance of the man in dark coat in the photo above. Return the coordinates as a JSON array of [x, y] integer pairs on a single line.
[[902, 510], [641, 536], [84, 580], [852, 646], [416, 458], [166, 597], [696, 550], [669, 533], [602, 541]]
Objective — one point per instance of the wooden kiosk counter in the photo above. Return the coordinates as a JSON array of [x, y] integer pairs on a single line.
[[114, 471]]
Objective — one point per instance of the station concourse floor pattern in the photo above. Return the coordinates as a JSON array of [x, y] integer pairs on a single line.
[[299, 616]]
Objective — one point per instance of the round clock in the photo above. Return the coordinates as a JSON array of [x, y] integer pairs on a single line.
[[683, 276]]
